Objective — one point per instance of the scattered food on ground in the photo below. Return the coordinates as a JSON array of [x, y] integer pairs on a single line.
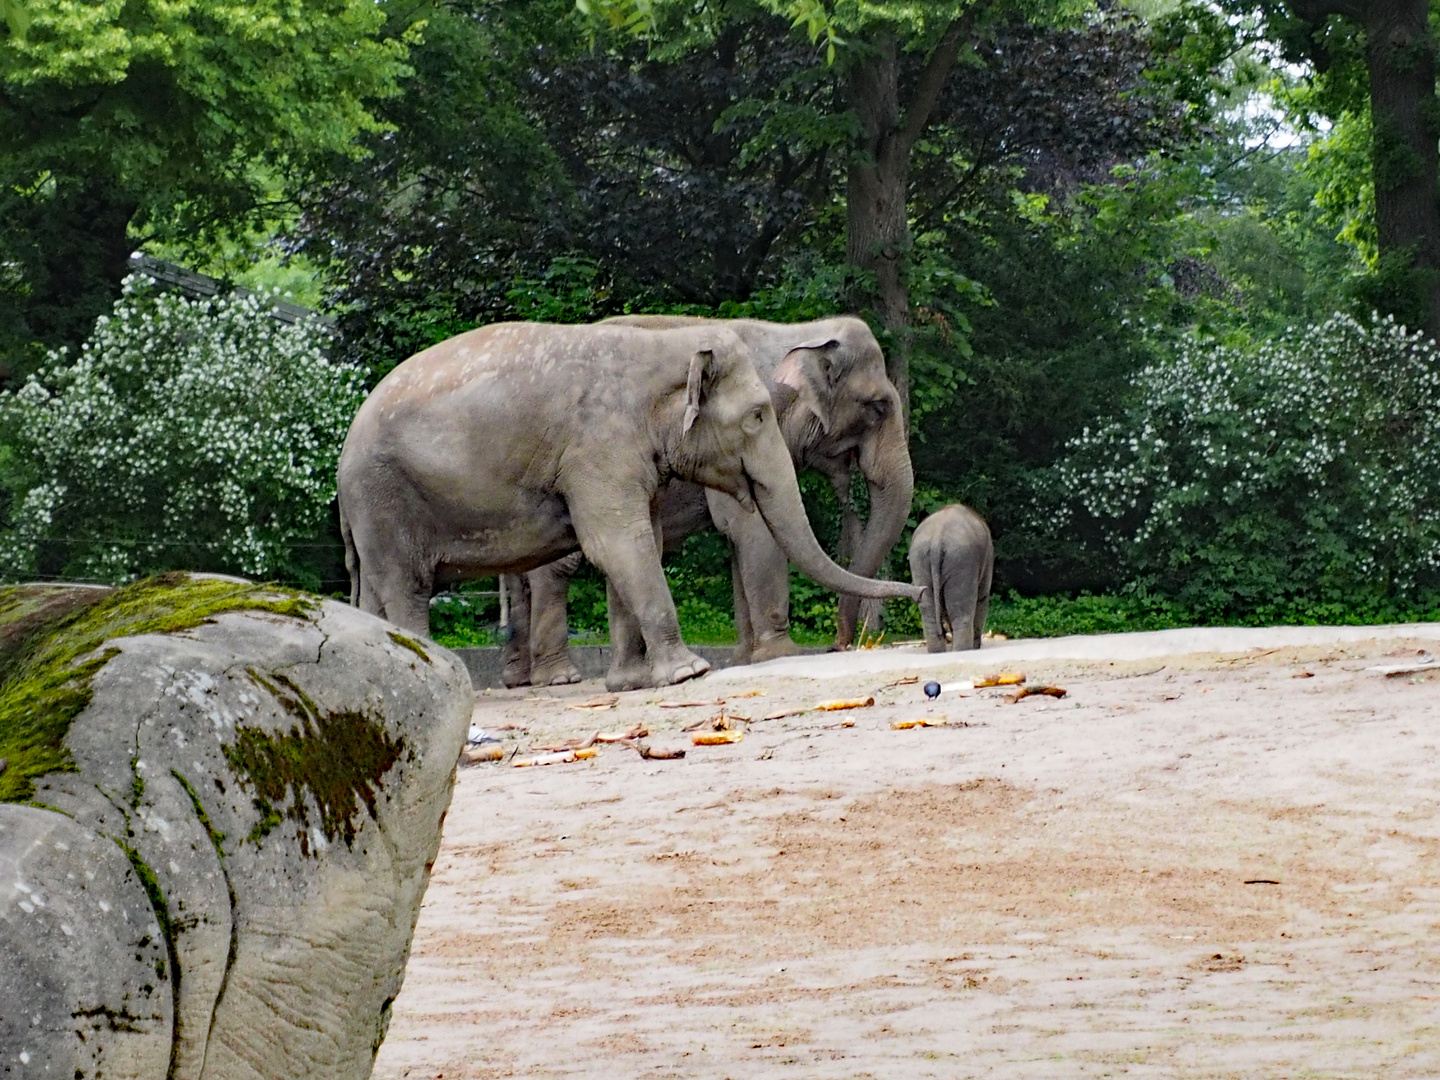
[[783, 713], [474, 755], [660, 753], [906, 680], [717, 738], [1423, 662], [608, 702], [1158, 873], [1004, 678], [1035, 691]]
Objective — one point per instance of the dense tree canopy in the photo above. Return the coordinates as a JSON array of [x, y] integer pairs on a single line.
[[1035, 205], [166, 118]]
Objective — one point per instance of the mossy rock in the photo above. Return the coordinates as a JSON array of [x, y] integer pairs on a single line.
[[271, 770], [52, 640]]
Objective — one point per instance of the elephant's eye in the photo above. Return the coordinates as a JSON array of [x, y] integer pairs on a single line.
[[876, 410], [754, 420]]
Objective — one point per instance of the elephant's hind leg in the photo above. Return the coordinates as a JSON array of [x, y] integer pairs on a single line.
[[404, 595], [982, 598], [960, 602], [922, 573], [550, 663], [515, 656], [396, 577], [629, 666]]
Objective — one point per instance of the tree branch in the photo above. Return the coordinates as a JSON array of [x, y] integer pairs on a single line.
[[1316, 12], [937, 70]]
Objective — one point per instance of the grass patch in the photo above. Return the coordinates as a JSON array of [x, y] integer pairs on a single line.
[[51, 647]]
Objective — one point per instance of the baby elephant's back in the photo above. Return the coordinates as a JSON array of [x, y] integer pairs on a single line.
[[954, 530]]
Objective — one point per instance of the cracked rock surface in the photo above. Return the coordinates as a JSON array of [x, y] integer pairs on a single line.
[[228, 883]]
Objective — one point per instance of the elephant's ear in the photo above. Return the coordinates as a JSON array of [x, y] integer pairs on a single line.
[[811, 369], [697, 386]]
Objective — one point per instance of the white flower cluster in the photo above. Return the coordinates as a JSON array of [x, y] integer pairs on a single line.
[[186, 434], [1325, 442]]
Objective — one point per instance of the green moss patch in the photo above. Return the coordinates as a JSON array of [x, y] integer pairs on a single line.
[[51, 647], [334, 759], [411, 644]]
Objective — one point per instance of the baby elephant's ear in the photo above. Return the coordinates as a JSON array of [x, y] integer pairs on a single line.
[[809, 369], [702, 370]]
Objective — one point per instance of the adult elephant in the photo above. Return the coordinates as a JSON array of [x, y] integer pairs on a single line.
[[837, 410], [510, 446]]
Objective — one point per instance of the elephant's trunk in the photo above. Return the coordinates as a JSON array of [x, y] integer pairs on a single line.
[[777, 494], [885, 464]]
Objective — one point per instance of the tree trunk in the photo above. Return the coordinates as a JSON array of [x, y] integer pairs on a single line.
[[1404, 113], [877, 189], [878, 185], [75, 250], [1405, 119]]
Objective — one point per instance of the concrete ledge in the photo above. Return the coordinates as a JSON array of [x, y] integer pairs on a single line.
[[1137, 645], [486, 664]]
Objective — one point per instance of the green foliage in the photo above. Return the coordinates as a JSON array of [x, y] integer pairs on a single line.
[[462, 619], [180, 101], [1269, 478], [1018, 616], [52, 650], [202, 435], [172, 118]]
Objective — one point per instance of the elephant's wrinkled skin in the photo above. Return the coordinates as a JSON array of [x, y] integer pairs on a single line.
[[952, 557], [837, 409], [510, 446]]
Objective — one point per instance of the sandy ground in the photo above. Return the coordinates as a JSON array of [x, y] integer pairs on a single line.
[[1204, 865]]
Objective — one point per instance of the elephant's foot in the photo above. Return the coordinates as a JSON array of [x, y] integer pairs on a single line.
[[772, 648], [558, 672], [630, 675], [515, 673], [678, 666]]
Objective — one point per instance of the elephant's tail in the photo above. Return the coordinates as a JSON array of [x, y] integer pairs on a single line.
[[352, 557]]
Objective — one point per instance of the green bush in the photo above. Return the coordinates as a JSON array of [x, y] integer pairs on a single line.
[[463, 618], [1018, 616], [188, 434], [1269, 481]]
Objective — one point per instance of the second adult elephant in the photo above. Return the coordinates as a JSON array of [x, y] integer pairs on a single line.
[[510, 446], [837, 411]]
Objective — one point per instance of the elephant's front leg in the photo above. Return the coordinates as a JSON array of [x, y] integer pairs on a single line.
[[852, 613], [550, 663], [764, 581], [629, 665], [625, 546]]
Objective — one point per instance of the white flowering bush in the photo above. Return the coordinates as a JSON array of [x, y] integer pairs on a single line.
[[186, 435], [1246, 481]]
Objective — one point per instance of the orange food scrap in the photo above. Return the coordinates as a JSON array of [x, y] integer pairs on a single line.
[[716, 738], [845, 703], [1004, 678]]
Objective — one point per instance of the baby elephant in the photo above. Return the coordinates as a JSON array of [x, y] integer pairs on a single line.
[[951, 556]]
